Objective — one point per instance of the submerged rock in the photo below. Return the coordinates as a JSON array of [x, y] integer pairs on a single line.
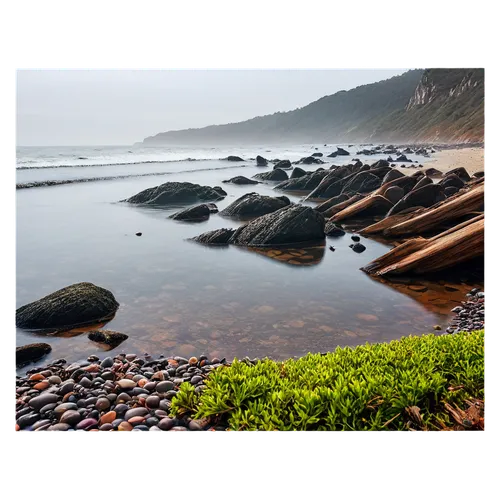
[[254, 205], [297, 172], [175, 193], [318, 155], [305, 183], [234, 158], [290, 225], [331, 229], [309, 160], [283, 164], [75, 305], [31, 352], [240, 179], [261, 161], [195, 214], [277, 174], [403, 159], [108, 337]]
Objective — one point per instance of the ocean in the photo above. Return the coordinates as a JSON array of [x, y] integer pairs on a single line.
[[180, 298]]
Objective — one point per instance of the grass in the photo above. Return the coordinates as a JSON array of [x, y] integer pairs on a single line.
[[406, 383]]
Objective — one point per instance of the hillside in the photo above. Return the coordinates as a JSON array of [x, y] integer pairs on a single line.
[[435, 105]]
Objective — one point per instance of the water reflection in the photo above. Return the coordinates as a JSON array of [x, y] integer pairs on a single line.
[[294, 256]]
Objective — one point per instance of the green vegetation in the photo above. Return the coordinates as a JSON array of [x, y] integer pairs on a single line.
[[370, 387]]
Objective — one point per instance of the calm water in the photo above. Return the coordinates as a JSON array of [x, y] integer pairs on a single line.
[[177, 297]]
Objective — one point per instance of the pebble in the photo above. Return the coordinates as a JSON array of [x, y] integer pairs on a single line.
[[135, 412], [126, 383], [164, 386], [355, 237], [108, 418], [87, 423], [40, 401], [469, 316], [70, 417]]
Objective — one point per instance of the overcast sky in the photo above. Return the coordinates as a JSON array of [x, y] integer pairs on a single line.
[[108, 107]]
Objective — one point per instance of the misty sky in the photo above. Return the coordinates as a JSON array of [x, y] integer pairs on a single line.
[[108, 107]]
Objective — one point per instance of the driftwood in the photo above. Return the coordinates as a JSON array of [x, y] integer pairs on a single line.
[[420, 255], [456, 207]]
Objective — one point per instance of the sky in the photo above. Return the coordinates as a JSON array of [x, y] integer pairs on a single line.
[[121, 107]]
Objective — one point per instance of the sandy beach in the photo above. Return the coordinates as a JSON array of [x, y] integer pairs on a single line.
[[470, 158]]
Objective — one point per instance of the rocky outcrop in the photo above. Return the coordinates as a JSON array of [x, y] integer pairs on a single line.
[[198, 213], [240, 179], [339, 152], [403, 159], [234, 158], [254, 205], [394, 194], [261, 161], [108, 337], [277, 175], [176, 193], [305, 183], [293, 224], [283, 164], [297, 172], [309, 160], [31, 352], [75, 305]]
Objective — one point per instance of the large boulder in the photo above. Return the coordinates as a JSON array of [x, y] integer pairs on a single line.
[[31, 352], [293, 224], [273, 175], [433, 172], [424, 181], [240, 179], [341, 152], [261, 161], [176, 193], [425, 196], [297, 172], [452, 180], [363, 182], [403, 159], [290, 225], [394, 194], [391, 175], [305, 183], [198, 213], [380, 163], [254, 205], [234, 158], [333, 183], [461, 173], [283, 164], [75, 305]]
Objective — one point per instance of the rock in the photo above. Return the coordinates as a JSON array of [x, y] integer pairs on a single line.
[[433, 172], [307, 182], [331, 248], [176, 193], [318, 155], [31, 352], [355, 237], [216, 237], [108, 418], [331, 202], [437, 327], [363, 182], [108, 337], [40, 401], [198, 213], [424, 181], [450, 191], [27, 420], [380, 164], [165, 424], [70, 417], [234, 158], [261, 161], [291, 224], [107, 362], [309, 160], [358, 247], [277, 174], [478, 175], [75, 305], [126, 384], [422, 197], [59, 427], [254, 205], [392, 175], [333, 231], [403, 159], [461, 173], [341, 152], [394, 194], [102, 404], [297, 172], [283, 164], [240, 180], [164, 386], [136, 412], [452, 180]]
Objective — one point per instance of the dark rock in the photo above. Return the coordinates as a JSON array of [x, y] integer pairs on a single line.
[[240, 180], [461, 173], [107, 362], [422, 197], [450, 191], [297, 172], [254, 205], [283, 164], [273, 175], [394, 194], [355, 238], [27, 420], [305, 183], [108, 337], [70, 417], [332, 230], [165, 424], [309, 160], [75, 305], [331, 248], [164, 386], [341, 152], [176, 193], [392, 175], [234, 158], [358, 247], [31, 352], [216, 237], [318, 155], [138, 234], [452, 180], [87, 423], [363, 182], [261, 161], [331, 202], [433, 172], [403, 159], [424, 181], [194, 214], [478, 175], [380, 164], [40, 401], [329, 182]]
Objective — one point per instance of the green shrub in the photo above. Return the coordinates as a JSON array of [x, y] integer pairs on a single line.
[[363, 388]]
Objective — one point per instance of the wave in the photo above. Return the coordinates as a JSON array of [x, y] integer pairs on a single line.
[[114, 164], [48, 183]]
